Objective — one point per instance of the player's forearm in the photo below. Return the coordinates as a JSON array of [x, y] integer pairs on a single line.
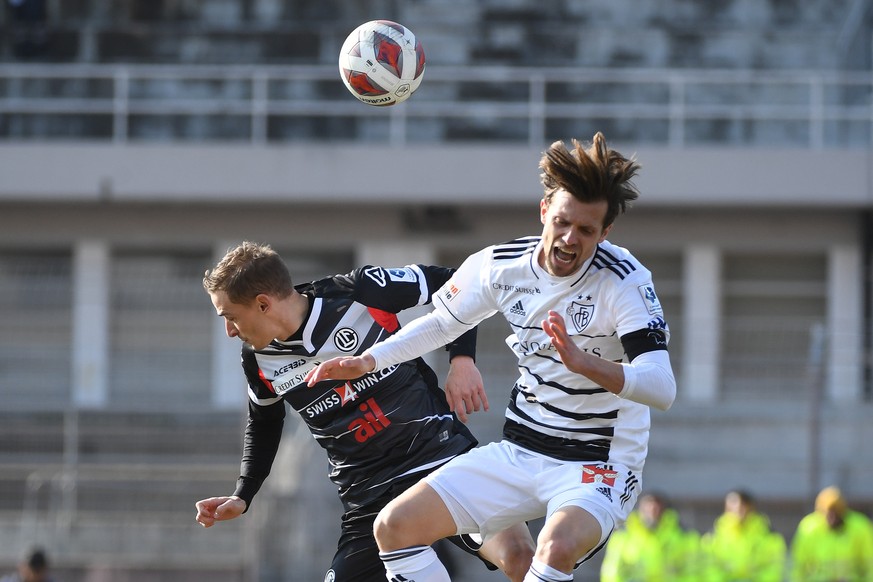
[[417, 338], [649, 380], [260, 445], [605, 373]]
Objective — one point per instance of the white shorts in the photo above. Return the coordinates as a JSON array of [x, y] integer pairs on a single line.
[[500, 484]]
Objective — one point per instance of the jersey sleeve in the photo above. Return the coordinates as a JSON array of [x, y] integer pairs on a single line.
[[649, 380], [644, 335], [449, 319], [639, 317], [397, 288], [467, 296], [263, 432]]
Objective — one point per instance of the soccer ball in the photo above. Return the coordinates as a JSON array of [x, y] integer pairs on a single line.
[[381, 63]]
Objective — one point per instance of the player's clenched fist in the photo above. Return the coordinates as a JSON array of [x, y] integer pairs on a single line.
[[218, 509]]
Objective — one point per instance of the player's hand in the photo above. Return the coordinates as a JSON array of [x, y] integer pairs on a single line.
[[218, 509], [605, 373], [342, 368], [465, 390], [556, 329]]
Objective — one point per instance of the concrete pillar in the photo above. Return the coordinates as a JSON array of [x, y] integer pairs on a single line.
[[90, 313], [229, 389], [701, 293], [844, 343]]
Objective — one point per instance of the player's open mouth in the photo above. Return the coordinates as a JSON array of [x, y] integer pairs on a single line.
[[563, 256]]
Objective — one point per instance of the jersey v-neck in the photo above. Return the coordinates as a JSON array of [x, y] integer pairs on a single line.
[[552, 280]]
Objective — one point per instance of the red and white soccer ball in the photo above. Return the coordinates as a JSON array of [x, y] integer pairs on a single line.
[[381, 63]]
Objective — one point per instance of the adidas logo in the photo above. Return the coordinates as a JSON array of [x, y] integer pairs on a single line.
[[517, 309]]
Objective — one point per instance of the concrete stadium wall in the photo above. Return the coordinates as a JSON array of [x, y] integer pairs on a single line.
[[496, 175]]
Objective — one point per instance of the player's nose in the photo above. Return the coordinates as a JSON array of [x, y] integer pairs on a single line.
[[569, 238]]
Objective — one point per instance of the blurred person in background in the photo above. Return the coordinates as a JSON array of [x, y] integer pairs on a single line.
[[652, 547], [381, 433], [590, 337], [833, 543], [741, 546], [33, 567]]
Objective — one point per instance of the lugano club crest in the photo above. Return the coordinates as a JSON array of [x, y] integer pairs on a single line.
[[346, 339]]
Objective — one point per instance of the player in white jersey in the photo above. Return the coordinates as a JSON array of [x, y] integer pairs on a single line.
[[591, 342]]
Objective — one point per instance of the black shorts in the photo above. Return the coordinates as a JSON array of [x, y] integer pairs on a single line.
[[357, 555], [358, 559]]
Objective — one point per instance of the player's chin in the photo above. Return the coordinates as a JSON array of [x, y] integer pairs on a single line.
[[563, 268]]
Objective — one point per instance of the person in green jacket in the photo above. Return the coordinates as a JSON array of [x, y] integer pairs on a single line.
[[832, 544], [741, 546], [652, 546]]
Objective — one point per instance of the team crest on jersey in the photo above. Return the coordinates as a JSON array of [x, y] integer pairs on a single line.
[[599, 474], [330, 576], [345, 339], [580, 314], [653, 304]]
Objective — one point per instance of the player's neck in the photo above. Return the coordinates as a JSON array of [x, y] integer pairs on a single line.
[[295, 310]]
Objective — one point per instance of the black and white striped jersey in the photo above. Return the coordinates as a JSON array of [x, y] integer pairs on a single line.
[[385, 426], [611, 311]]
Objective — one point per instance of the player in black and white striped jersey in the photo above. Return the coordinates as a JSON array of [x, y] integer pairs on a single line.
[[591, 342], [382, 432]]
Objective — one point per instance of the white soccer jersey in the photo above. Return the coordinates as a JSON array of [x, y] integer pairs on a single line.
[[610, 308]]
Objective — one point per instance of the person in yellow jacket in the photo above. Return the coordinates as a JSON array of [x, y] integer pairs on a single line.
[[652, 546], [741, 546], [832, 544]]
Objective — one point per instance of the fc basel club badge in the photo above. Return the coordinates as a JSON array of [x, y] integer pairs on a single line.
[[580, 314]]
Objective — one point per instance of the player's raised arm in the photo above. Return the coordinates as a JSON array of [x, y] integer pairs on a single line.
[[420, 336], [648, 379], [342, 368], [609, 375]]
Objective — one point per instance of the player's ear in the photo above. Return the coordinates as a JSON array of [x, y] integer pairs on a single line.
[[544, 208], [263, 302]]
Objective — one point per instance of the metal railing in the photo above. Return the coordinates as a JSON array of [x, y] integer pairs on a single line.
[[267, 104]]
